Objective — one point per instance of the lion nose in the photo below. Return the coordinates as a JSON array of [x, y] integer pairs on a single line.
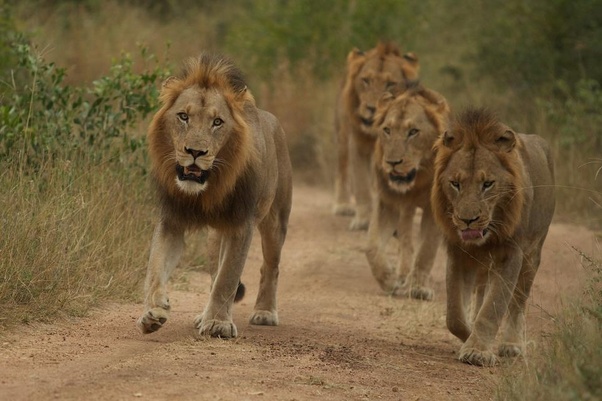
[[469, 221], [371, 109], [195, 152], [394, 163]]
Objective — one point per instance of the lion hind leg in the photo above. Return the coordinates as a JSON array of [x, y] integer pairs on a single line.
[[166, 249]]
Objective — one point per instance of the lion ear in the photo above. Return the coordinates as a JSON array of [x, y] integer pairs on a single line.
[[385, 100], [354, 54], [506, 141], [168, 81], [448, 139]]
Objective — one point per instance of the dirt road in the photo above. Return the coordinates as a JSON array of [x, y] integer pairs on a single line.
[[339, 338]]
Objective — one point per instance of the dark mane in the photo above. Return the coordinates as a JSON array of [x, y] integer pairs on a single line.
[[475, 126]]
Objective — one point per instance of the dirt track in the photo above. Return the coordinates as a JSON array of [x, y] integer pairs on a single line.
[[339, 338]]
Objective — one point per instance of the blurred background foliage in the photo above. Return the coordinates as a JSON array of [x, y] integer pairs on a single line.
[[79, 80]]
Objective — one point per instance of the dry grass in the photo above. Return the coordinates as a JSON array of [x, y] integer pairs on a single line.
[[72, 235], [568, 365]]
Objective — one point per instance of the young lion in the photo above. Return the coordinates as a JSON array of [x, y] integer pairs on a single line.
[[403, 173], [369, 75], [493, 196], [217, 161]]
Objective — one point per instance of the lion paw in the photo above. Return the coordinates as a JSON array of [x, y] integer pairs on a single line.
[[417, 292], [510, 350], [422, 293], [343, 209], [264, 318], [477, 357], [152, 320], [358, 224], [216, 328]]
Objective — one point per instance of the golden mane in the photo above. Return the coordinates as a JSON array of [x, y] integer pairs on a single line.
[[218, 74], [469, 131]]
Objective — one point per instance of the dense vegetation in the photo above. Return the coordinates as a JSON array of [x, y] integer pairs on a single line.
[[76, 88]]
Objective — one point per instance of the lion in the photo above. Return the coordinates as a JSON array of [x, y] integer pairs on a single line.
[[403, 172], [217, 162], [493, 197], [369, 75]]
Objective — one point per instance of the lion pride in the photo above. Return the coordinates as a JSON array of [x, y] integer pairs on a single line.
[[218, 162], [369, 75], [408, 126], [493, 197]]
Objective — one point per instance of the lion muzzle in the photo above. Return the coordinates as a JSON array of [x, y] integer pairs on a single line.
[[192, 173], [403, 179]]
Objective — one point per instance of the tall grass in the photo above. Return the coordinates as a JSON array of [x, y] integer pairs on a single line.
[[73, 234], [76, 204], [568, 364]]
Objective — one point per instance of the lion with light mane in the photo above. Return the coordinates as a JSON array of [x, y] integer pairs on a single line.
[[218, 162], [493, 196], [369, 75], [403, 170]]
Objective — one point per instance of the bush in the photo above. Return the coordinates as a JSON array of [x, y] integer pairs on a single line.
[[43, 119], [72, 184]]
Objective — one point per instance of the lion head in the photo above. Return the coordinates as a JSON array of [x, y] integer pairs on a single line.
[[408, 126], [370, 74], [477, 194], [199, 140]]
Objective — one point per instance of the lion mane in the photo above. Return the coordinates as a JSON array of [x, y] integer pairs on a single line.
[[493, 197], [218, 162], [220, 74]]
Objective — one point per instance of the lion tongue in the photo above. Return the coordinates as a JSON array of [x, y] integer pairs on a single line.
[[193, 169], [470, 234]]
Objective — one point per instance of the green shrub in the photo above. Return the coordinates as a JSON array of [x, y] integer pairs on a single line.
[[73, 187], [43, 119]]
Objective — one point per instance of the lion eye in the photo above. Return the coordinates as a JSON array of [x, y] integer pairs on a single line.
[[387, 130], [455, 185], [487, 185], [183, 116], [413, 132], [366, 81], [217, 122]]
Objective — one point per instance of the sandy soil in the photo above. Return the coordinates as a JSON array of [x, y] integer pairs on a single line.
[[339, 338]]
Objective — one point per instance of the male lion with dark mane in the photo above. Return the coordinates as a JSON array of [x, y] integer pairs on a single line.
[[219, 162], [408, 126], [493, 196], [369, 75]]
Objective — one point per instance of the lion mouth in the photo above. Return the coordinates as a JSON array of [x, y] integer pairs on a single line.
[[192, 173], [471, 234], [403, 179], [367, 121]]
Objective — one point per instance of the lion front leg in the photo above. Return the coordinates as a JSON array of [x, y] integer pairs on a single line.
[[216, 320], [513, 339], [416, 282], [502, 278], [342, 197], [380, 231], [166, 249], [361, 156]]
